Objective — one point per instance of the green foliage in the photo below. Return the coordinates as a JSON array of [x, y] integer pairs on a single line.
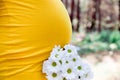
[[118, 44], [105, 40], [115, 37], [104, 35]]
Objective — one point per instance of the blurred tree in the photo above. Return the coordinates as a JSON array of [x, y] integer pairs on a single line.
[[96, 16], [119, 9], [93, 14], [93, 23], [72, 12], [73, 7], [78, 16], [71, 4], [119, 14]]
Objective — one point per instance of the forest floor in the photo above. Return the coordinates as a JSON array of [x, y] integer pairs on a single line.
[[105, 65]]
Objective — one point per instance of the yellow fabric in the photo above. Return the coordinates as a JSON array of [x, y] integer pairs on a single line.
[[29, 29]]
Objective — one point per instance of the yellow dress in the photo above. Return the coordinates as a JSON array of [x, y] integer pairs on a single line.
[[29, 29]]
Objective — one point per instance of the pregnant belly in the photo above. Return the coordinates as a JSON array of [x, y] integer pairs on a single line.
[[29, 30]]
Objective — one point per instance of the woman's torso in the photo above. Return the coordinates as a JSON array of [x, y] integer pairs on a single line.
[[29, 29]]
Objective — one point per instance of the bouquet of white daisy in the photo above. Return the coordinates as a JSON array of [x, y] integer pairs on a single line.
[[66, 64]]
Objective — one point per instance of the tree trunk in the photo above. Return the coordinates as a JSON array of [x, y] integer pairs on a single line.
[[66, 4], [119, 10], [119, 15], [78, 15], [96, 16], [99, 15], [72, 13]]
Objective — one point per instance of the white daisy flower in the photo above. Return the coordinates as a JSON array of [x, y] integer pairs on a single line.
[[63, 78], [54, 55], [68, 71], [75, 58], [84, 71], [51, 66], [45, 64], [57, 53], [57, 48], [58, 57], [79, 69], [88, 75], [54, 76], [65, 60], [66, 65], [86, 67], [70, 49], [79, 77]]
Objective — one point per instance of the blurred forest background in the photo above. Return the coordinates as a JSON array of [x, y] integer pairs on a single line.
[[97, 23], [96, 34]]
